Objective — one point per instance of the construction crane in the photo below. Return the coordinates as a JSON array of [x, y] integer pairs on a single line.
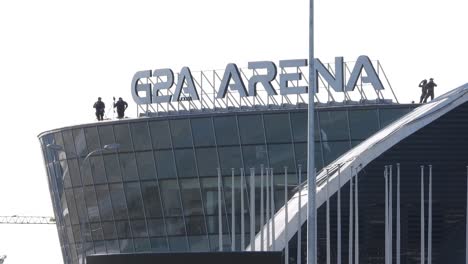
[[30, 220]]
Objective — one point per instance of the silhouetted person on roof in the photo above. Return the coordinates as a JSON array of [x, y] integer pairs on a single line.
[[100, 106], [423, 84], [430, 89], [121, 105]]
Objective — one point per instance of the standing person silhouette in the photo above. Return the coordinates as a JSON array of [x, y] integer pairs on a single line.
[[423, 84], [121, 105], [430, 89], [100, 107]]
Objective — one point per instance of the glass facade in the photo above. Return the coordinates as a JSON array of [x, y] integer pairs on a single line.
[[158, 191]]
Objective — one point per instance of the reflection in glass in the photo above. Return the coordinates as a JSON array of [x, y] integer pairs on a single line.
[[118, 201], [254, 156], [333, 125], [142, 244], [165, 164], [123, 229], [140, 136], [191, 196], [198, 243], [281, 155], [230, 157], [226, 130], [185, 161], [277, 128], [159, 245], [202, 129], [251, 129], [195, 225], [210, 195], [171, 197], [139, 228], [160, 134], [92, 138], [389, 115], [156, 227], [180, 130], [151, 200], [112, 168], [105, 205], [128, 166], [178, 244], [97, 168], [334, 150], [91, 203], [106, 134], [146, 168], [122, 136], [207, 161], [80, 142], [134, 201], [109, 230], [363, 123], [175, 226]]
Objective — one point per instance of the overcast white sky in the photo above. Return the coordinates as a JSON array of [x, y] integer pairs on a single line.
[[56, 57]]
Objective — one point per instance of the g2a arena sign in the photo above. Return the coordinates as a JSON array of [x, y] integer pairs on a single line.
[[159, 86]]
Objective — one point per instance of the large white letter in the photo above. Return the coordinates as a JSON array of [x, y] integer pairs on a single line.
[[162, 85], [372, 77], [336, 82], [231, 72], [290, 77], [185, 76], [265, 80], [136, 87]]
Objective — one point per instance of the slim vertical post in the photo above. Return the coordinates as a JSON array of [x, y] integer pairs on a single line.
[[252, 209], [466, 219], [356, 220], [242, 210], [398, 217], [299, 220], [267, 220], [422, 216], [338, 218], [220, 219], [261, 208], [328, 219], [351, 232], [272, 210], [386, 214], [286, 241], [429, 219], [390, 215], [233, 211]]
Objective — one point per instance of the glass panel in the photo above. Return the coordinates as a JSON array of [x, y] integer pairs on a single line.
[[165, 164], [128, 166], [151, 198], [80, 142], [210, 195], [91, 203], [355, 143], [86, 174], [175, 226], [281, 155], [178, 244], [146, 166], [171, 197], [202, 129], [229, 157], [207, 161], [299, 126], [122, 137], [156, 227], [134, 201], [139, 228], [159, 245], [118, 201], [92, 138], [109, 230], [71, 206], [141, 136], [80, 205], [107, 137], [181, 135], [191, 197], [160, 134], [277, 128], [212, 223], [254, 156], [199, 243], [105, 205], [96, 231], [97, 168], [388, 115], [251, 129], [65, 173], [333, 150], [100, 247], [126, 245], [142, 245], [112, 246], [123, 229], [74, 171], [363, 123], [112, 168], [334, 125], [301, 156], [69, 143], [185, 161], [226, 130]]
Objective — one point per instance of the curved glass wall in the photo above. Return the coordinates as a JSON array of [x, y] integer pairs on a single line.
[[158, 191]]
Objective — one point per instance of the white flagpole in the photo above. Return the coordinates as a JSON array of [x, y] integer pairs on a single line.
[[273, 244], [328, 221], [268, 218], [338, 239], [252, 209], [356, 221], [386, 214], [286, 241], [233, 211], [261, 209], [242, 210], [351, 205], [299, 221]]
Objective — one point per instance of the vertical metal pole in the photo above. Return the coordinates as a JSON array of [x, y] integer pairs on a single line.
[[286, 241], [267, 219], [311, 209], [466, 219], [398, 216], [356, 220], [252, 209], [386, 214], [220, 219], [242, 210], [429, 227], [299, 220], [261, 208], [351, 232], [422, 215], [233, 212], [390, 215], [272, 210], [338, 239], [328, 220]]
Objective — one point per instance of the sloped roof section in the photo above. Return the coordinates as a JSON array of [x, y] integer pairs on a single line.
[[356, 159]]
